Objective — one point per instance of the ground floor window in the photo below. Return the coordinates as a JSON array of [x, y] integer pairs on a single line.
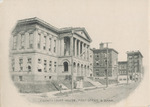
[[65, 66], [29, 68], [39, 70], [20, 78]]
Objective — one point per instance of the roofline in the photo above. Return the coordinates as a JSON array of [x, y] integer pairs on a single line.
[[105, 49], [134, 52], [49, 26]]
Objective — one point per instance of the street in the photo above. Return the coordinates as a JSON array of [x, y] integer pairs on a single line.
[[109, 95]]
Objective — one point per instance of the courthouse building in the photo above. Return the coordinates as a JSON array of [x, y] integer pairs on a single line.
[[40, 51], [100, 61]]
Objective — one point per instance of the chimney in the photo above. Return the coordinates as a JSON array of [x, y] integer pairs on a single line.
[[101, 45]]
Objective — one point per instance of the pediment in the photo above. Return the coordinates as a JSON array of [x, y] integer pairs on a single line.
[[83, 34]]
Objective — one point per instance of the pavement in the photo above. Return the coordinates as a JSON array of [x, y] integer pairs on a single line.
[[52, 94], [112, 94]]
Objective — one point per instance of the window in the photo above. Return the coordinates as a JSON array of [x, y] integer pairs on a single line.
[[54, 46], [44, 43], [39, 65], [22, 41], [45, 64], [13, 64], [105, 62], [39, 70], [29, 68], [21, 64], [49, 77], [105, 55], [29, 64], [97, 63], [49, 44], [29, 60], [96, 54], [50, 66], [65, 66], [136, 56], [54, 66], [31, 40], [39, 40], [39, 61], [20, 78], [14, 42], [130, 57]]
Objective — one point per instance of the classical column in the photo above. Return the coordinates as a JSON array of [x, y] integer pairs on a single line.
[[82, 70], [41, 41], [75, 47], [82, 50], [55, 44], [79, 49], [27, 40], [35, 38], [62, 47], [79, 69], [52, 44], [59, 48], [18, 41], [47, 42], [71, 46], [85, 51]]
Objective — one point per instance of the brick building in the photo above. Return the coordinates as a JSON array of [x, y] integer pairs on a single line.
[[135, 65], [122, 69], [41, 52], [100, 61]]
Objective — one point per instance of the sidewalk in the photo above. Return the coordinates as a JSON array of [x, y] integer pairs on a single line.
[[53, 93]]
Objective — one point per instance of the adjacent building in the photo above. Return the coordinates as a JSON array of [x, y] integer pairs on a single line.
[[41, 52], [135, 65], [122, 69], [100, 61]]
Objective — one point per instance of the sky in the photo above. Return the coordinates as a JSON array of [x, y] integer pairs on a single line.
[[122, 22]]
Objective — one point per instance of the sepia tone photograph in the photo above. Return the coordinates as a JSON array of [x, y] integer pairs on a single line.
[[74, 53]]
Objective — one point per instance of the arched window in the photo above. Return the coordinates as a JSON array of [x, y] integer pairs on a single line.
[[65, 66]]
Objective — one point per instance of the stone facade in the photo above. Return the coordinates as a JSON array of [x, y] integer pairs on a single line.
[[100, 61], [39, 51]]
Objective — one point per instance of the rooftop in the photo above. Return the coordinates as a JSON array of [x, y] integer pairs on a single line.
[[134, 53], [104, 49], [51, 27]]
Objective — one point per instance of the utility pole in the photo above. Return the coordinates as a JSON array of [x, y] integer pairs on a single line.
[[107, 63]]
